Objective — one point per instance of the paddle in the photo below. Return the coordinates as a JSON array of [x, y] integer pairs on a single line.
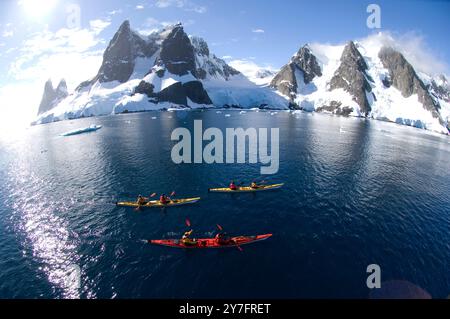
[[171, 195], [237, 245], [188, 222]]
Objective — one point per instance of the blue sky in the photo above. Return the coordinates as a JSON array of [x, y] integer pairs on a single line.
[[38, 42]]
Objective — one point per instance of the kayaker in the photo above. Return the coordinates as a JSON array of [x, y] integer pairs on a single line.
[[233, 186], [222, 238], [254, 185], [164, 199], [187, 240], [141, 200]]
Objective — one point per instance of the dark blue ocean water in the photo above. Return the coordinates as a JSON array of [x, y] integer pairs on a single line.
[[357, 192]]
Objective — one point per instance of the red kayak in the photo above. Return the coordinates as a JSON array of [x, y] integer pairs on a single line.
[[210, 242]]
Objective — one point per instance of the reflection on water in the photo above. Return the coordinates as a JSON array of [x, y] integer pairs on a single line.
[[46, 236], [356, 192]]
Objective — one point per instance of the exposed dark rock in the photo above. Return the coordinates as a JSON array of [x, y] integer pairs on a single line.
[[387, 81], [201, 74], [176, 93], [120, 55], [177, 52], [144, 88], [207, 64], [352, 77], [196, 93], [335, 107], [261, 74], [405, 79], [51, 96], [200, 46], [160, 73], [286, 81], [442, 90], [307, 63]]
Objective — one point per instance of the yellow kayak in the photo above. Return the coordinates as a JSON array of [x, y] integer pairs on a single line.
[[158, 204], [245, 189]]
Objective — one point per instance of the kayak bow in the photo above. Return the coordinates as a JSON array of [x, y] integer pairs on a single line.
[[158, 204], [210, 242], [246, 189]]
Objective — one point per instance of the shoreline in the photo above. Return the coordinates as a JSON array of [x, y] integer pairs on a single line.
[[233, 109]]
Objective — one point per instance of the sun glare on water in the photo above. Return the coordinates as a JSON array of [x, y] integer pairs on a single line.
[[38, 8]]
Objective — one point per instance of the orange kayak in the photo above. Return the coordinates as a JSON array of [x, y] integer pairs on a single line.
[[210, 242]]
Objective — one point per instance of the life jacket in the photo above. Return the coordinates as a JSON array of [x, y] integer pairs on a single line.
[[233, 186], [163, 199]]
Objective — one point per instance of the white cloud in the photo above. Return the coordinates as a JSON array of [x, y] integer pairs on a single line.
[[67, 53], [227, 57], [99, 25], [139, 7], [169, 3], [256, 73], [415, 49], [7, 34], [258, 31], [152, 25], [198, 9], [184, 4], [114, 12]]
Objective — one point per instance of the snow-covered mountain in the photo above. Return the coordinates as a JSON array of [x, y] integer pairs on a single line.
[[259, 75], [167, 69], [365, 79]]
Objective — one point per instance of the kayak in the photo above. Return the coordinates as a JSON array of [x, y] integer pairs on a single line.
[[158, 204], [91, 128], [210, 242], [246, 189]]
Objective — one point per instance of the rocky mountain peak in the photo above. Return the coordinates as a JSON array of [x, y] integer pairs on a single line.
[[440, 88], [177, 52], [62, 87], [352, 77], [119, 57], [352, 56], [307, 62], [124, 28], [303, 64], [406, 80], [52, 96], [200, 46]]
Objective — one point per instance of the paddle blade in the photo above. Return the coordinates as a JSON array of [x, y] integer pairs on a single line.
[[188, 222], [153, 195], [219, 227], [240, 248], [173, 193]]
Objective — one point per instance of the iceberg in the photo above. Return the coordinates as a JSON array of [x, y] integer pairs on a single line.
[[91, 128]]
